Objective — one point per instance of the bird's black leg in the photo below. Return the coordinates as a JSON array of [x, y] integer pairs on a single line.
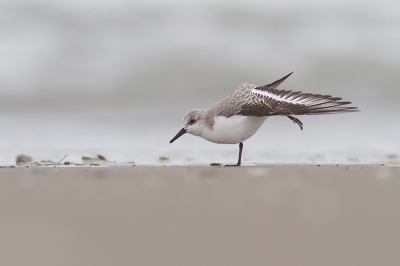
[[295, 120], [240, 156]]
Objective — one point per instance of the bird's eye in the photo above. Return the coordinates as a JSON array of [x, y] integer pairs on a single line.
[[191, 122]]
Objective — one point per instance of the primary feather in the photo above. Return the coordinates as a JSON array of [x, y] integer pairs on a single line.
[[268, 101]]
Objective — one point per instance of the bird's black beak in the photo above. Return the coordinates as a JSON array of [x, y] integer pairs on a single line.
[[180, 133]]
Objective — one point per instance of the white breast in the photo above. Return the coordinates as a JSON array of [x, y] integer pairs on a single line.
[[233, 130]]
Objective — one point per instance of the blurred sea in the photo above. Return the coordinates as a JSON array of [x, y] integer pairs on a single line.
[[116, 77]]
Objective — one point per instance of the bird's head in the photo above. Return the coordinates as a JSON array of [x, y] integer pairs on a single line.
[[192, 123]]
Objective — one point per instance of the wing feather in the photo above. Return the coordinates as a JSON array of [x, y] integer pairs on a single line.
[[268, 100]]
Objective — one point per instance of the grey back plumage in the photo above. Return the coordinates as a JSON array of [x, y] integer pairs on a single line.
[[229, 106], [232, 105]]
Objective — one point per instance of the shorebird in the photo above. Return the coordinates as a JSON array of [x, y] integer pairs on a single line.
[[238, 116]]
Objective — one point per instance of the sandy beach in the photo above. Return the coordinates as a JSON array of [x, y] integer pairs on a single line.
[[200, 215], [92, 92]]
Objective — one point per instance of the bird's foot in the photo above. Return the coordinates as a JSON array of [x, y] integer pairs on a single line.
[[231, 165], [296, 121]]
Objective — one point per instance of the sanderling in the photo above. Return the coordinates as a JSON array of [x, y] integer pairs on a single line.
[[238, 116]]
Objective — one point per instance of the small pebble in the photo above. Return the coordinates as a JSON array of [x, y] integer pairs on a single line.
[[22, 159], [101, 157], [163, 159]]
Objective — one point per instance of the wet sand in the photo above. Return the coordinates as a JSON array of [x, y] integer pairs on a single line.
[[201, 215]]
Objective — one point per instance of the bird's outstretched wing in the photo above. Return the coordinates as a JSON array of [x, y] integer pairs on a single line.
[[268, 100]]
